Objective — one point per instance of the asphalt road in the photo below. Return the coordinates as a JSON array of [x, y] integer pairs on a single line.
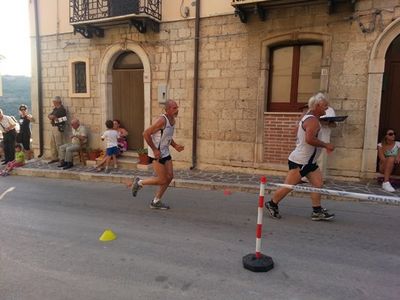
[[49, 247]]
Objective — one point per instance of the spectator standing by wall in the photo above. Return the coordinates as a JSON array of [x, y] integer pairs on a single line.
[[58, 119], [24, 135], [7, 127]]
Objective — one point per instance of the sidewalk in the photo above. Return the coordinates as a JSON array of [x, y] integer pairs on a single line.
[[196, 179]]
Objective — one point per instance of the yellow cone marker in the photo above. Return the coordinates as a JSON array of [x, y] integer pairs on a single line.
[[107, 235]]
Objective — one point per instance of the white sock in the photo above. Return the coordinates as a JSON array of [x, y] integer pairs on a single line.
[[155, 200]]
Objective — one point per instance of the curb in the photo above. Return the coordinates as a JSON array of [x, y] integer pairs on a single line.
[[72, 175], [118, 178], [178, 183]]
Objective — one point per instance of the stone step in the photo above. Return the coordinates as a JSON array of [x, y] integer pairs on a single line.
[[130, 153], [128, 160], [131, 163], [128, 163]]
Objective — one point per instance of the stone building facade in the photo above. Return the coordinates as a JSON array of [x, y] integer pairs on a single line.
[[236, 129]]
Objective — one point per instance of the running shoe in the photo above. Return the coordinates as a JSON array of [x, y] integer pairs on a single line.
[[273, 210], [158, 205], [135, 186], [388, 187], [322, 215]]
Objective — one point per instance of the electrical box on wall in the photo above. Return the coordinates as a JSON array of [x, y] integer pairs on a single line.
[[162, 93]]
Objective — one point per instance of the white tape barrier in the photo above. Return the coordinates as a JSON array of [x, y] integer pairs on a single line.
[[369, 197]]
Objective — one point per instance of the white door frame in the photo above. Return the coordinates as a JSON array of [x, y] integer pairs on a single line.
[[376, 69], [105, 79]]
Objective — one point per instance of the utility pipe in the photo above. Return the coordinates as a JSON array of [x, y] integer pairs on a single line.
[[39, 77], [196, 84]]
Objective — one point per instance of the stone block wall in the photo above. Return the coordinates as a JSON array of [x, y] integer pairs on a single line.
[[233, 81]]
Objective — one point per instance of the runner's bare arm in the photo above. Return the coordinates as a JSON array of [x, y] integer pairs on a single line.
[[158, 125], [177, 147], [311, 126]]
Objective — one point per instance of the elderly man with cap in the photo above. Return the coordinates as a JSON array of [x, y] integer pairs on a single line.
[[58, 118], [78, 139], [7, 127]]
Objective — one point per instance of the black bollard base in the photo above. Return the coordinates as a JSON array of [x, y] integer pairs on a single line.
[[262, 264]]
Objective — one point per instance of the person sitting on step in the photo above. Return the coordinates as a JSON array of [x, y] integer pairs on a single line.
[[389, 157], [19, 161]]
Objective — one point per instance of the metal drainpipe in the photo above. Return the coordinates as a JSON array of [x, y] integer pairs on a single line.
[[39, 77], [196, 84]]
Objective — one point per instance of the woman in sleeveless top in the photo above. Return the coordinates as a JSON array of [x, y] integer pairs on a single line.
[[123, 136], [389, 157]]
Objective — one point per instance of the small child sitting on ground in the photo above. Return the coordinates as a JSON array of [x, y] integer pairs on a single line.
[[111, 137], [17, 162]]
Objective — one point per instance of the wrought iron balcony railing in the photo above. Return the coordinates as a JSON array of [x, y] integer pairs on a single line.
[[245, 8], [86, 14], [86, 10]]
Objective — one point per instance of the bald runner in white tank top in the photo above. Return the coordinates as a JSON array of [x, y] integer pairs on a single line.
[[162, 140]]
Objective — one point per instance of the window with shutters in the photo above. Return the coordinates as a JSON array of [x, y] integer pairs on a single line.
[[294, 76]]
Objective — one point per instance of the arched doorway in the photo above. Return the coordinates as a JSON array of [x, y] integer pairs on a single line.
[[376, 71], [128, 96], [390, 103]]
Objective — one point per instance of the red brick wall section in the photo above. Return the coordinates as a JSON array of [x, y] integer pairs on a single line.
[[280, 132]]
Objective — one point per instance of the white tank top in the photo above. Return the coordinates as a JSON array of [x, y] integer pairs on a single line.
[[305, 153], [162, 139]]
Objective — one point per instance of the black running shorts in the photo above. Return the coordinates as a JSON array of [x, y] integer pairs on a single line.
[[161, 160], [304, 169]]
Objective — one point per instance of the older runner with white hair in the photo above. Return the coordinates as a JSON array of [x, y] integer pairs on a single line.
[[302, 161]]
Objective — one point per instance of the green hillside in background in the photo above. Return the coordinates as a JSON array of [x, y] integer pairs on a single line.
[[16, 91]]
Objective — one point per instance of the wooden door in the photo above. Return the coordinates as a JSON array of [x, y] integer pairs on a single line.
[[390, 104], [128, 104]]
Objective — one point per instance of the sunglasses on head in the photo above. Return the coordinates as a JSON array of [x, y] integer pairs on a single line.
[[391, 133]]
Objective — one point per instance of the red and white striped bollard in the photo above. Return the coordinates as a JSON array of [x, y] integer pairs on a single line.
[[259, 262]]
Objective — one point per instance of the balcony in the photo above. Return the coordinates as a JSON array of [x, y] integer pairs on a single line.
[[89, 17], [245, 8]]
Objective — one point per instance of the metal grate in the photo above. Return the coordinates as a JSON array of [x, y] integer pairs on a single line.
[[80, 77], [86, 10]]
